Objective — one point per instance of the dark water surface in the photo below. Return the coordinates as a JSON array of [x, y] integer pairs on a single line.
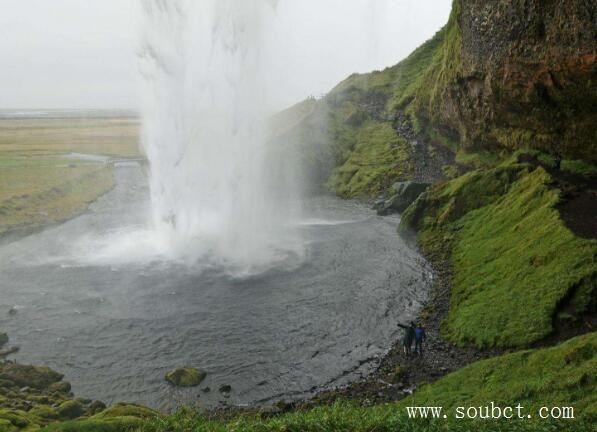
[[114, 331]]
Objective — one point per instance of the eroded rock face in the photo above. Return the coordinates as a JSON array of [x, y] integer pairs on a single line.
[[186, 377], [526, 77], [405, 193]]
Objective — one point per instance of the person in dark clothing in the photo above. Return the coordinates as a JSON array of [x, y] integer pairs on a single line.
[[558, 161], [409, 337], [420, 337]]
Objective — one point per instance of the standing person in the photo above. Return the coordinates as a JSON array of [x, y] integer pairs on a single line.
[[558, 161], [409, 336], [420, 337]]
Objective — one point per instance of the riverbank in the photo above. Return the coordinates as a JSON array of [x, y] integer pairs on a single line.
[[45, 175]]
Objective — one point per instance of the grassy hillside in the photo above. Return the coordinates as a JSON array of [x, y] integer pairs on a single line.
[[516, 265], [564, 375]]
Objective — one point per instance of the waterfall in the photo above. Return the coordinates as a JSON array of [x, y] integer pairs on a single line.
[[203, 131]]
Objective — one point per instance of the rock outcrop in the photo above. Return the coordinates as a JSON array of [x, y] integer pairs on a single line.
[[186, 377], [404, 194], [516, 74]]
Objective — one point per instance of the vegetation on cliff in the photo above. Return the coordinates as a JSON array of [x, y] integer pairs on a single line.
[[498, 81], [516, 265]]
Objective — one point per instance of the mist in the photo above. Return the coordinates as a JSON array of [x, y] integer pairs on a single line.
[[73, 54]]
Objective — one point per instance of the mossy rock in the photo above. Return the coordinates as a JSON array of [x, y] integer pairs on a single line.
[[29, 376], [96, 407], [71, 409], [94, 425], [7, 426], [44, 413], [127, 410], [60, 387], [3, 339], [16, 418], [186, 377]]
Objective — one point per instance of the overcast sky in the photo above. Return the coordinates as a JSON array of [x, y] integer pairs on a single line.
[[81, 53]]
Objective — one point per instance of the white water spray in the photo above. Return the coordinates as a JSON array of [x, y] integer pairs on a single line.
[[204, 131]]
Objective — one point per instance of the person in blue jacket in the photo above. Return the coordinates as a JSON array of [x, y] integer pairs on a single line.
[[420, 337]]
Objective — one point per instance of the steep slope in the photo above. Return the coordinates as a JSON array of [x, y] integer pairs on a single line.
[[516, 74]]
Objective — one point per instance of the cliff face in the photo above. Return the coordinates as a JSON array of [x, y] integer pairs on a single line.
[[516, 74]]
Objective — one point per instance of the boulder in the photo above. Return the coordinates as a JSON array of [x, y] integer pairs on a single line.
[[96, 407], [186, 377], [70, 410], [3, 339], [225, 388], [60, 387], [29, 376], [404, 194], [121, 410]]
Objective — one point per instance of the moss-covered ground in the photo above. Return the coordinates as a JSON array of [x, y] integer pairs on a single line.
[[516, 265], [379, 159]]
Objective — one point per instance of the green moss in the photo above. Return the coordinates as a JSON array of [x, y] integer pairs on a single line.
[[126, 410], [71, 409], [18, 419], [443, 68], [122, 424], [29, 376], [186, 377], [579, 167], [447, 202], [564, 375], [350, 418], [379, 159], [515, 262]]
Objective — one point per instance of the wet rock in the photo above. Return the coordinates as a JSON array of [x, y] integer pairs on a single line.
[[12, 312], [206, 390], [60, 387], [283, 406], [269, 411], [405, 193], [9, 351], [96, 407], [29, 376], [128, 410], [186, 377], [71, 410], [3, 339], [225, 388]]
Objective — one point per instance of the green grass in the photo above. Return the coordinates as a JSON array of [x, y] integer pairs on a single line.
[[442, 69], [579, 167], [367, 153], [564, 375], [515, 263], [379, 159], [36, 192], [39, 185], [344, 417]]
